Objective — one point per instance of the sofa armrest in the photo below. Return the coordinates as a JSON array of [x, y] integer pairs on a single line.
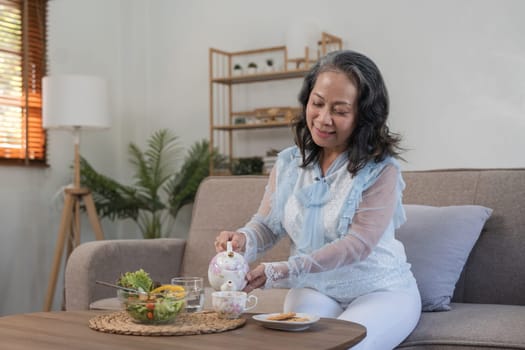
[[107, 260]]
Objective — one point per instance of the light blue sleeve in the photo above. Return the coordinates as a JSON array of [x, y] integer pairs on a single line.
[[265, 228]]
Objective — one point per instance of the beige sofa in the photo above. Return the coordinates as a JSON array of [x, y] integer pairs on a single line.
[[487, 310]]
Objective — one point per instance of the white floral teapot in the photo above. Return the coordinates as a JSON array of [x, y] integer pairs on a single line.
[[227, 270]]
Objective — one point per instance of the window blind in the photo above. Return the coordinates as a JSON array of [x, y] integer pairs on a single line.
[[22, 66]]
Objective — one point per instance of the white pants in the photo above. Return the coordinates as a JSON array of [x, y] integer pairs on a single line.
[[389, 316]]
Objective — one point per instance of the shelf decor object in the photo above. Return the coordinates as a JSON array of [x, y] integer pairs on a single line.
[[252, 68], [74, 103], [224, 119], [237, 69], [269, 65]]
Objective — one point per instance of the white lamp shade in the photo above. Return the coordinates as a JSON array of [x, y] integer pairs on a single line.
[[71, 101]]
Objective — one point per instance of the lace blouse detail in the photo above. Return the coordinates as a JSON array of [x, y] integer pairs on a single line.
[[341, 227], [274, 272]]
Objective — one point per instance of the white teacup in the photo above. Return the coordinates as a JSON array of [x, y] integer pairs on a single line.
[[231, 304]]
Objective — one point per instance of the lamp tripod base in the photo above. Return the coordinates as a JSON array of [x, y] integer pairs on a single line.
[[70, 227]]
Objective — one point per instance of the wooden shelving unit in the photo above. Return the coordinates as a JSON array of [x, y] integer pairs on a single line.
[[223, 118], [251, 126], [258, 77]]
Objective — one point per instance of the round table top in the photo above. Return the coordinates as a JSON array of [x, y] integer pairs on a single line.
[[69, 329]]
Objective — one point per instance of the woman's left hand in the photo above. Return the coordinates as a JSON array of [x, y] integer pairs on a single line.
[[256, 279]]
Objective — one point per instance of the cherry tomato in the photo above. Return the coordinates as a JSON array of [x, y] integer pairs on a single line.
[[150, 315], [150, 306]]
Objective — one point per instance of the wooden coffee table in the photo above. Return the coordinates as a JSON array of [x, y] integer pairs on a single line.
[[69, 330]]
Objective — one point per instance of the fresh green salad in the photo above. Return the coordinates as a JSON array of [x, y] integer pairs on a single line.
[[138, 280], [149, 304], [160, 310]]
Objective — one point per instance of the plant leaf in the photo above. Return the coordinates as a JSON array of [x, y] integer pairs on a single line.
[[158, 191], [112, 199], [183, 187]]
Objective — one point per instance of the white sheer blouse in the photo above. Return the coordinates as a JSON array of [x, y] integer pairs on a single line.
[[342, 261]]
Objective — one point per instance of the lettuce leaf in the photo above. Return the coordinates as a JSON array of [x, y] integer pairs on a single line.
[[139, 280]]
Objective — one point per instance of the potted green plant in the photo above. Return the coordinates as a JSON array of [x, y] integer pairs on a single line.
[[269, 65], [248, 166], [237, 69], [252, 68], [161, 187]]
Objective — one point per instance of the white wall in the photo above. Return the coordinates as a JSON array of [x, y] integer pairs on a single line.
[[455, 72]]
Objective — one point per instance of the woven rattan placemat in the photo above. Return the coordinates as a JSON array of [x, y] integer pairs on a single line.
[[185, 324]]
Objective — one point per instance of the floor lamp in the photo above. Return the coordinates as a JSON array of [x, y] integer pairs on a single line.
[[73, 103]]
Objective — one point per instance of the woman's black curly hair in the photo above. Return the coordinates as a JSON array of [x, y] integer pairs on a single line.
[[371, 138]]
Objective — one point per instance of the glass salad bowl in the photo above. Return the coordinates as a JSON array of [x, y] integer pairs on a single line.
[[156, 307]]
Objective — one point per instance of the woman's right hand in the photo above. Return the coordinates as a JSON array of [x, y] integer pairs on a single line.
[[238, 241]]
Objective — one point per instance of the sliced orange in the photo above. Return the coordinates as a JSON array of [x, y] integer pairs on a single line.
[[178, 291], [170, 287]]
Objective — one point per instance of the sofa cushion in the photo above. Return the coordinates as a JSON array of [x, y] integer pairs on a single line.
[[438, 241], [470, 326]]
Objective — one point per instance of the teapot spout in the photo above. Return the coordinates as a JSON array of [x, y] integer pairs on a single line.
[[228, 286]]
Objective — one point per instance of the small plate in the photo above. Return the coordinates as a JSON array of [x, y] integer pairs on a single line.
[[286, 325]]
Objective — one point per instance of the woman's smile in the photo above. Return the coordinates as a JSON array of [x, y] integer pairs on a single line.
[[324, 134]]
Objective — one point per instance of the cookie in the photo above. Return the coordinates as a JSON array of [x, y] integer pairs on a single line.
[[281, 317], [298, 319]]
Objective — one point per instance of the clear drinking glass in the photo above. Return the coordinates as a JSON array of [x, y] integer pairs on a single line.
[[194, 287]]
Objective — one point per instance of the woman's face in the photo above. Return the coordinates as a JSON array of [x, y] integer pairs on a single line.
[[330, 112]]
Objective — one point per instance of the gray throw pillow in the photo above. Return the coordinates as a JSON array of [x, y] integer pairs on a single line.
[[438, 241]]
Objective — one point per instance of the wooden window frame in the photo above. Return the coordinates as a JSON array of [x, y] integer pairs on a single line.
[[21, 93]]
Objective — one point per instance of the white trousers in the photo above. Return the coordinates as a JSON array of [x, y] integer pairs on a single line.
[[389, 316]]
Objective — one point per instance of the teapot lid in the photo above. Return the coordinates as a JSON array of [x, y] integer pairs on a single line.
[[230, 260]]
